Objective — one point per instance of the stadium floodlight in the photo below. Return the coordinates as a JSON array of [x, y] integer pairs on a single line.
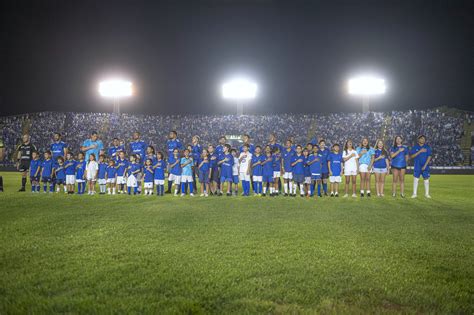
[[366, 86], [116, 88], [239, 90]]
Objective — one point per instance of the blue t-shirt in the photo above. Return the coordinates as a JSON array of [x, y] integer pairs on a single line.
[[175, 170], [307, 171], [149, 173], [400, 159], [111, 171], [298, 168], [219, 151], [160, 167], [268, 166], [60, 172], [196, 151], [96, 150], [114, 151], [134, 168], [80, 169], [102, 170], [251, 148], [47, 168], [365, 157], [287, 156], [35, 168], [324, 160], [57, 149], [173, 144], [187, 170], [420, 159], [226, 166], [121, 166], [138, 147], [277, 162], [257, 170], [382, 163], [213, 161], [336, 163], [273, 146], [70, 166], [316, 166], [205, 166]]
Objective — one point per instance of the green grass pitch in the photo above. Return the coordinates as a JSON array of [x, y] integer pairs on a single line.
[[145, 254]]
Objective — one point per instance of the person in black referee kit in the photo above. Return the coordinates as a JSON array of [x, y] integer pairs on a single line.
[[25, 150]]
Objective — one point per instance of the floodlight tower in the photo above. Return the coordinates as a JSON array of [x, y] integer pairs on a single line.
[[115, 89], [239, 90], [366, 86]]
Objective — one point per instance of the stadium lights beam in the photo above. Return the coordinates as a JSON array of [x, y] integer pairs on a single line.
[[366, 86], [239, 90], [116, 88]]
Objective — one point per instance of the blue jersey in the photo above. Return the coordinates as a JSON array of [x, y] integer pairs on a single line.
[[287, 156], [99, 146], [251, 148], [160, 167], [275, 145], [102, 170], [316, 166], [35, 168], [121, 167], [324, 160], [382, 163], [138, 147], [213, 161], [205, 164], [399, 160], [277, 162], [47, 168], [70, 167], [420, 159], [268, 166], [196, 151], [134, 168], [335, 160], [151, 157], [219, 151], [187, 170], [307, 171], [175, 170], [60, 172], [365, 157], [80, 169], [226, 166], [173, 144], [57, 149], [300, 161], [257, 170], [111, 171], [114, 151], [149, 173]]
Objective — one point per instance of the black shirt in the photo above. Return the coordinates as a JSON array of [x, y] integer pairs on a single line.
[[26, 150]]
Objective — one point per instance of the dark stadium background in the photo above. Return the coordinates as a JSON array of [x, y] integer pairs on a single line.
[[178, 52]]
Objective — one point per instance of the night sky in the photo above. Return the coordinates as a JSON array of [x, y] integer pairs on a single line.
[[177, 53]]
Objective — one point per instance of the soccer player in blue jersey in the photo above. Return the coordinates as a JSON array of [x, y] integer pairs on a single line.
[[226, 161], [247, 141], [324, 152], [335, 163], [381, 167], [297, 164], [121, 165], [134, 168], [113, 151], [148, 177], [174, 172], [159, 173], [196, 151], [81, 173], [60, 175], [276, 171], [101, 175], [111, 174], [287, 169], [150, 154], [307, 171], [58, 148], [70, 168], [173, 143], [399, 154], [47, 172], [314, 163], [272, 142], [366, 160], [35, 172], [139, 148], [214, 170], [203, 172], [267, 172], [187, 173], [421, 155], [257, 170]]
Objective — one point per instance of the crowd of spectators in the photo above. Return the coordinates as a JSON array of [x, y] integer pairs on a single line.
[[443, 131]]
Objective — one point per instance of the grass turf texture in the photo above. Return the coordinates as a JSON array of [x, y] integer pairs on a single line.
[[144, 254]]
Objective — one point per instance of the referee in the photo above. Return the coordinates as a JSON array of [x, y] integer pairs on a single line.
[[25, 150]]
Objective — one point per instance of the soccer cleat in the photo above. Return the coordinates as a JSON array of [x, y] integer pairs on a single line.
[[337, 195], [413, 196], [201, 195], [428, 196], [394, 195], [285, 195], [332, 195], [354, 196], [182, 194], [402, 195], [345, 196], [191, 194], [368, 194], [22, 189], [361, 195]]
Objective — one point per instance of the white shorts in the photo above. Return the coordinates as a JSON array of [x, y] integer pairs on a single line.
[[186, 179], [288, 175], [350, 171], [159, 181], [80, 180], [91, 178], [111, 180], [307, 180], [276, 174], [380, 170], [102, 181], [363, 168], [257, 178], [70, 179], [335, 179], [175, 179], [148, 185], [132, 181], [121, 180], [244, 176]]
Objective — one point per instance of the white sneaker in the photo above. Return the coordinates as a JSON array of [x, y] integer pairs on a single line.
[[413, 196], [182, 194], [191, 194], [428, 196], [176, 194], [201, 195], [345, 196], [206, 195], [354, 196]]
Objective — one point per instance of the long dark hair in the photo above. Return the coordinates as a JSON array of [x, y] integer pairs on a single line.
[[384, 152], [345, 145], [395, 141], [368, 143]]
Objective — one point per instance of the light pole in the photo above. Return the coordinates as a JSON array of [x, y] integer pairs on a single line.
[[115, 89], [239, 90], [365, 87]]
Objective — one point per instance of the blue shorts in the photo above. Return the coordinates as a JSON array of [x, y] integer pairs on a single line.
[[316, 177], [235, 179], [61, 181], [425, 173], [324, 175], [298, 178], [34, 178], [267, 178], [204, 177], [226, 179], [46, 179]]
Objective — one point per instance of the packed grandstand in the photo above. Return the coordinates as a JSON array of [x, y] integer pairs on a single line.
[[444, 128]]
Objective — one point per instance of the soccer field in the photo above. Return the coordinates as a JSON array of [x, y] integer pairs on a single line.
[[148, 254]]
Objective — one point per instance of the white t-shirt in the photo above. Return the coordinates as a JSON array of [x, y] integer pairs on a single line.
[[245, 162], [235, 167], [350, 164], [92, 168]]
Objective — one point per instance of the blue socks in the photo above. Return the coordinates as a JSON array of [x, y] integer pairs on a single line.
[[325, 188]]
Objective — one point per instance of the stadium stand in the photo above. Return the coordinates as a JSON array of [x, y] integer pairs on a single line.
[[448, 131]]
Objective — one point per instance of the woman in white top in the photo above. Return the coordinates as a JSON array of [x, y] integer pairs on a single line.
[[91, 173], [351, 167]]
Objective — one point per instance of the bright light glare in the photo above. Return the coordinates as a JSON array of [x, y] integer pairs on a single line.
[[115, 88], [366, 85], [239, 89]]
